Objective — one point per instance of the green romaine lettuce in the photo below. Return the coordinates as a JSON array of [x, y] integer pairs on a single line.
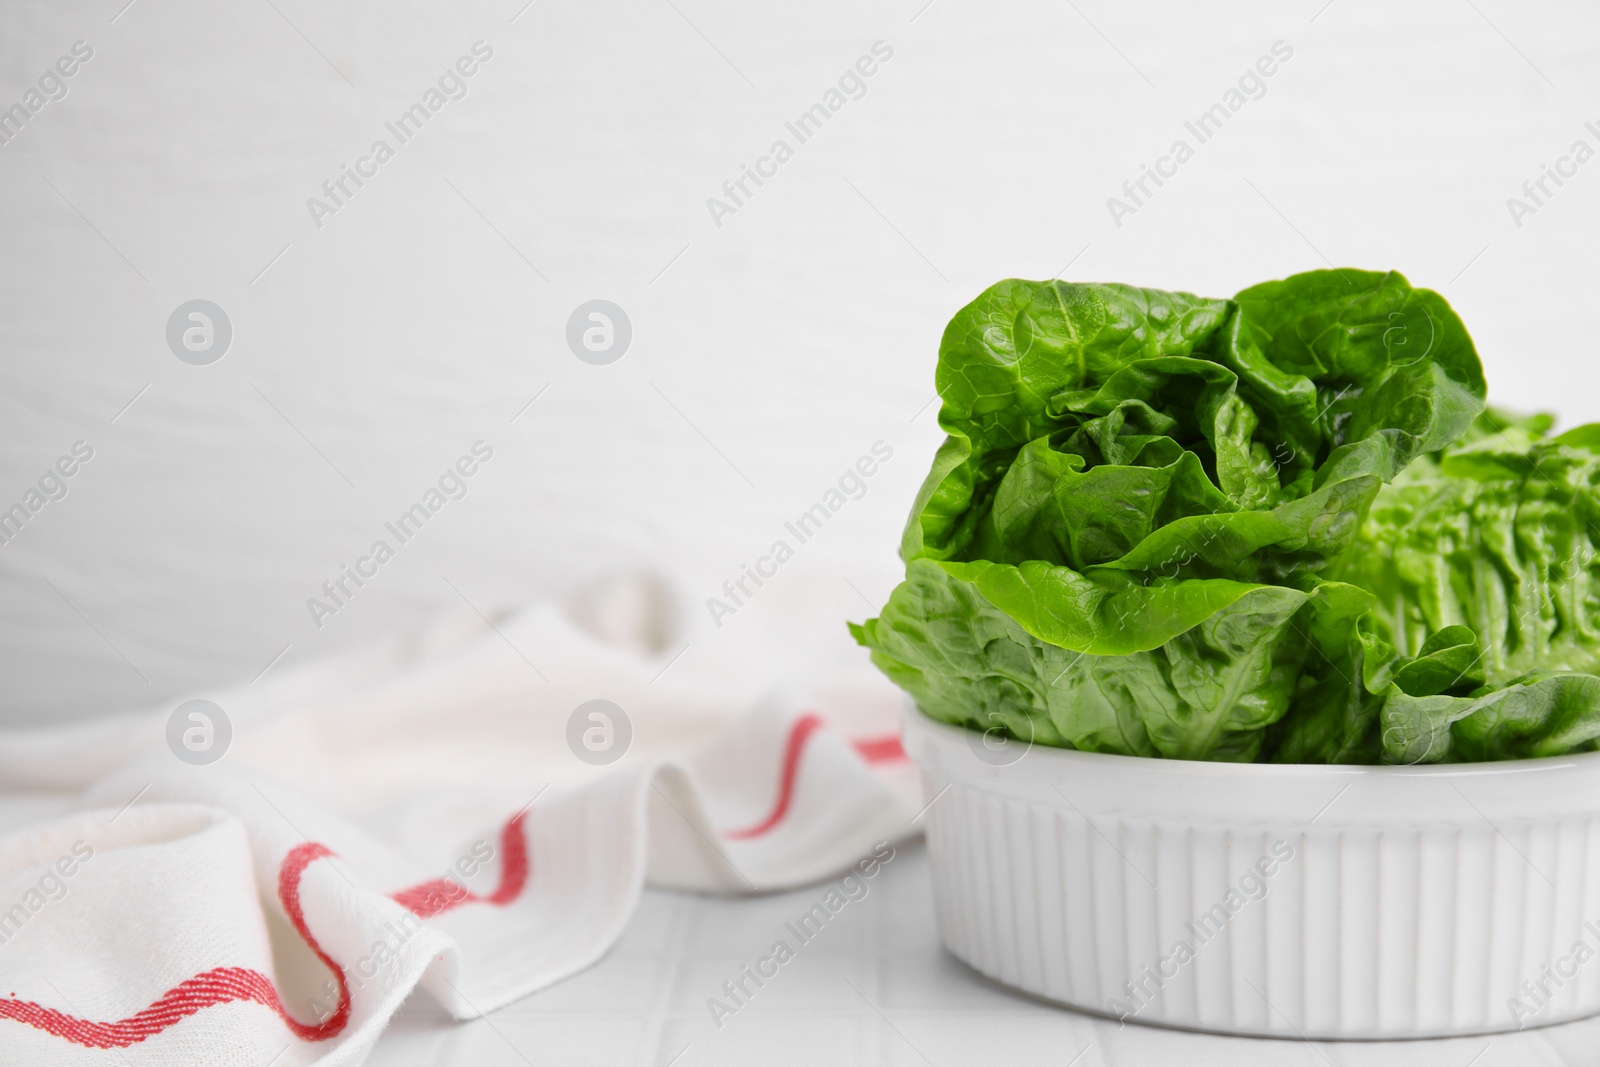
[[1483, 564], [1161, 525]]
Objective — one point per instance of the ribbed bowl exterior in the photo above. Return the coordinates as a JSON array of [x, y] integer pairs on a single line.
[[1149, 898]]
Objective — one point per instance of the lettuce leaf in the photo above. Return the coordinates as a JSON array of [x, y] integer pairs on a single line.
[[1217, 667]]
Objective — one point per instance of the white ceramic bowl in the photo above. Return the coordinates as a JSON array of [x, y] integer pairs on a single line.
[[1285, 901]]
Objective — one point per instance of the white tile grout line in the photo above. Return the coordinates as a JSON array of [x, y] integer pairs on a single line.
[[876, 965], [652, 1052]]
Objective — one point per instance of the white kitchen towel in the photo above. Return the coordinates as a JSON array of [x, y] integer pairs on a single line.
[[423, 815]]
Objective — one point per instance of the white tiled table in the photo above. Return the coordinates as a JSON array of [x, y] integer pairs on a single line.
[[874, 987]]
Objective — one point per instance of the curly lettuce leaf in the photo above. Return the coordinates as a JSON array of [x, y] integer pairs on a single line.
[[1543, 713], [1333, 714], [1005, 355], [1497, 537], [1484, 566], [1393, 366], [1134, 377], [957, 638]]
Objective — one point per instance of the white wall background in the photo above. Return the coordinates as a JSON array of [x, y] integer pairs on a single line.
[[791, 338]]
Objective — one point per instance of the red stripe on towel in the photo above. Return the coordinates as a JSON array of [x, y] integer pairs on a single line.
[[443, 894], [884, 749], [871, 749], [799, 733], [226, 985], [220, 985]]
